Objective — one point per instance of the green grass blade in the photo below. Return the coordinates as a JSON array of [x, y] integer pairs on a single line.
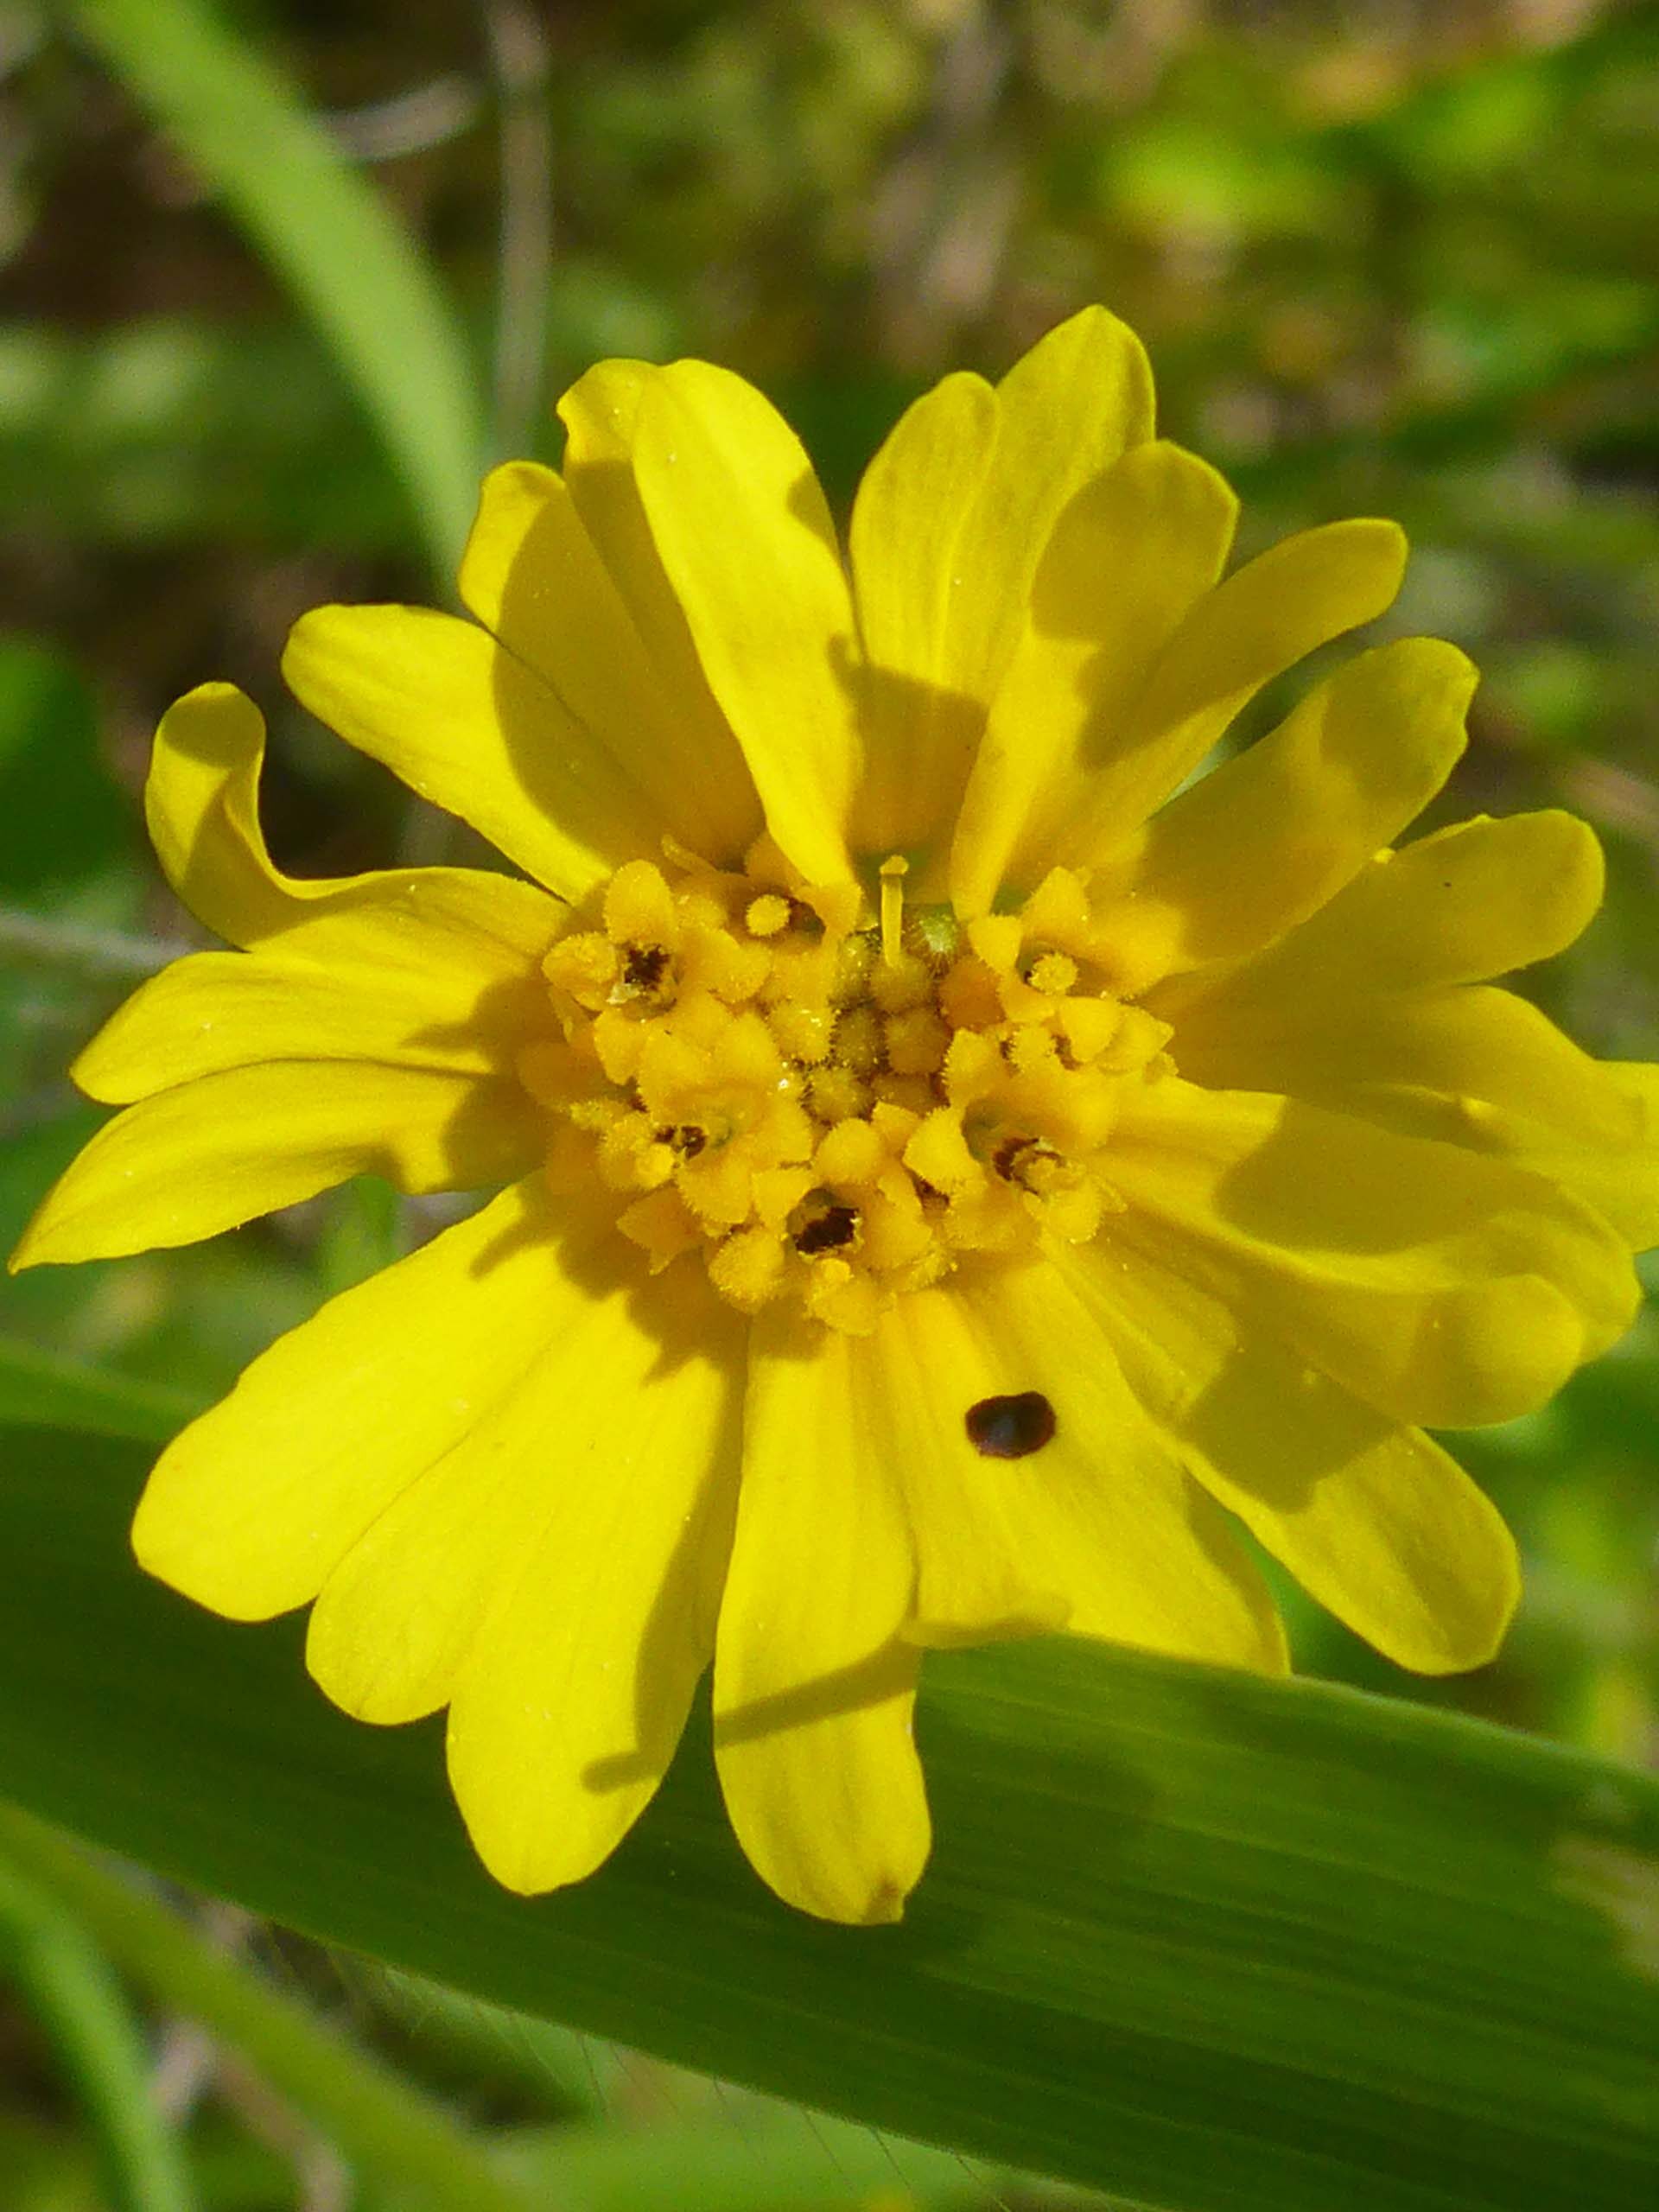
[[1212, 1943], [45, 1391], [324, 232], [66, 1983], [768, 2160], [381, 2125]]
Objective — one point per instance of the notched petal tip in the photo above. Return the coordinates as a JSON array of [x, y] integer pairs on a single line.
[[873, 1896]]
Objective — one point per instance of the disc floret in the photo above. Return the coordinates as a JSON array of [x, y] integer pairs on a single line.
[[832, 1103]]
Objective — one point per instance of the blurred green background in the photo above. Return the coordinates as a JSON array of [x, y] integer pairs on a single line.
[[1400, 257]]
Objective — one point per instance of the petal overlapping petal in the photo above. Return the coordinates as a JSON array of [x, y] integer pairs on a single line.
[[921, 714], [1479, 900], [1373, 1519], [1439, 1287], [438, 971], [613, 1474], [211, 1154], [201, 806], [601, 414], [1263, 620], [1130, 558], [1121, 761], [1068, 407], [730, 497], [467, 725], [949, 528], [1098, 1529], [1267, 838], [533, 577], [813, 1688], [255, 1504], [1466, 1064]]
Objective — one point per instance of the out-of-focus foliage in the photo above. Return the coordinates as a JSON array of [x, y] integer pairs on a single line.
[[1400, 257]]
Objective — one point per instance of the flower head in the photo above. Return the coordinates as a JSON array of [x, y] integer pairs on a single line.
[[957, 1164]]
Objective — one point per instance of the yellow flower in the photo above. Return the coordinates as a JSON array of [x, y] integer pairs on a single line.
[[955, 1160]]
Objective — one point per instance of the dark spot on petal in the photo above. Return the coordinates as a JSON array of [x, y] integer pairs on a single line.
[[1010, 1428], [686, 1138]]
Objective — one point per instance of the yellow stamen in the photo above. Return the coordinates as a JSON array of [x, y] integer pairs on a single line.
[[825, 1111], [893, 871], [766, 915]]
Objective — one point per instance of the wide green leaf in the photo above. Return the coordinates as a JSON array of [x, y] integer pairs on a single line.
[[1213, 1943], [325, 231]]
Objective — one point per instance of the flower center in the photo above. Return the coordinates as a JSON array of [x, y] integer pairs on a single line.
[[833, 1106]]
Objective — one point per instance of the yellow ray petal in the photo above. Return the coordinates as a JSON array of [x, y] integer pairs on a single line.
[[600, 412], [982, 1570], [1377, 1523], [1441, 1288], [813, 1693], [1256, 847], [1262, 620], [253, 1506], [1097, 1528], [561, 1479], [908, 520], [1128, 558], [201, 803], [1475, 900], [1469, 1065], [1623, 1187], [949, 524], [532, 575], [575, 1623], [440, 969], [213, 1154], [472, 728], [746, 540], [1066, 410]]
